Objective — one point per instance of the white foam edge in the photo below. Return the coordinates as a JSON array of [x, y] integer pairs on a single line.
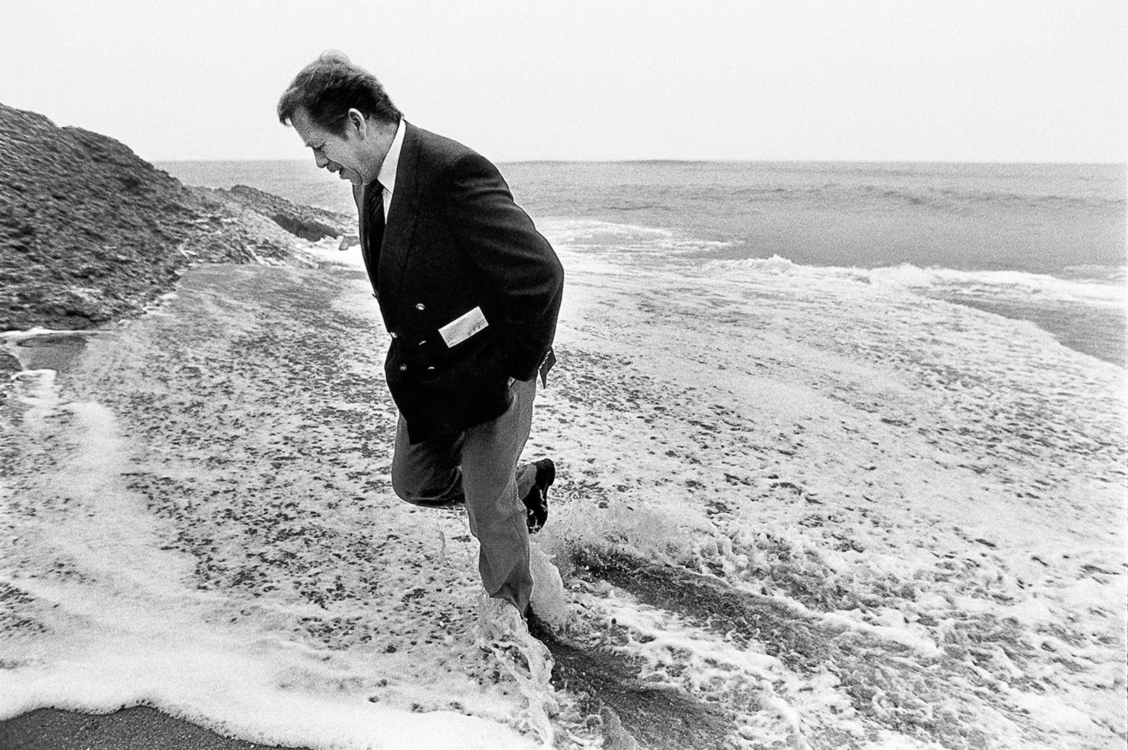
[[907, 276], [280, 715]]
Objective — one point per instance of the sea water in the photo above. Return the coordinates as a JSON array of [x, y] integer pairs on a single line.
[[1038, 242]]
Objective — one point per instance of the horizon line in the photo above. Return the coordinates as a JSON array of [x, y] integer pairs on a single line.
[[1047, 162]]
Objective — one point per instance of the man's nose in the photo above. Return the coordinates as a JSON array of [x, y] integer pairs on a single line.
[[320, 160]]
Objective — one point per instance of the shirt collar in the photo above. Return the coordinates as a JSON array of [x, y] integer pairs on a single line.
[[387, 176]]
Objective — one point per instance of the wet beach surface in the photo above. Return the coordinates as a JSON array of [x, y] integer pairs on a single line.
[[797, 513], [138, 727]]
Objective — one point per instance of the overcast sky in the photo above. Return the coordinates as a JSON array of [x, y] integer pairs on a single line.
[[942, 80]]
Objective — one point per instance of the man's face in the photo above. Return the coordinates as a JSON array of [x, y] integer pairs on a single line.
[[340, 154]]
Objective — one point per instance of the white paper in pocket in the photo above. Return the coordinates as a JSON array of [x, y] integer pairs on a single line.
[[463, 327]]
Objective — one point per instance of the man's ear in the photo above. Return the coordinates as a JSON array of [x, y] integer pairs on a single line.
[[357, 122]]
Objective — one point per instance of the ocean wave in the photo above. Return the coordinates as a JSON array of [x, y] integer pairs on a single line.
[[952, 199], [926, 279], [620, 239], [964, 199], [776, 265], [1087, 315], [999, 283], [580, 231], [1091, 285]]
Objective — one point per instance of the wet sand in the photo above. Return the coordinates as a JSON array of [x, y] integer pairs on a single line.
[[137, 728], [911, 538]]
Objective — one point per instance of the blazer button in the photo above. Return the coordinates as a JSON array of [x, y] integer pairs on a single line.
[[420, 306], [424, 341], [403, 368]]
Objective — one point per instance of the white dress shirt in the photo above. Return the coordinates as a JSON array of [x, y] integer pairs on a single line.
[[387, 176]]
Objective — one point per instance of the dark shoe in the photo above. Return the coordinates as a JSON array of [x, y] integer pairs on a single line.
[[536, 502]]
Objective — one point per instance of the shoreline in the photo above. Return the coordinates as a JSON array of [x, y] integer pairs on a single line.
[[1097, 332]]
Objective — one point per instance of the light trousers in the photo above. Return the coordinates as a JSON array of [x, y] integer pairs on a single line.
[[479, 467]]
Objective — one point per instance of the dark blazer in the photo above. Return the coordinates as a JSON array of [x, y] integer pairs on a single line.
[[454, 242]]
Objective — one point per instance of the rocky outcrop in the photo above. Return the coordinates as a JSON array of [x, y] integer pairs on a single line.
[[307, 222], [90, 232]]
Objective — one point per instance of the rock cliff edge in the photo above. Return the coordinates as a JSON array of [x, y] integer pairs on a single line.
[[90, 232]]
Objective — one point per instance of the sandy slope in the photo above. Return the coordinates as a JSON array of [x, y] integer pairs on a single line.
[[798, 508]]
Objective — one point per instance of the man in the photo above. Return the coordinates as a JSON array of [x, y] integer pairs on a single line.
[[469, 292]]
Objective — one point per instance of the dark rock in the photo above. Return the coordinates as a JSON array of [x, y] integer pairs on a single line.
[[90, 232], [306, 222]]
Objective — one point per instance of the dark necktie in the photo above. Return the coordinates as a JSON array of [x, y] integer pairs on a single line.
[[374, 211]]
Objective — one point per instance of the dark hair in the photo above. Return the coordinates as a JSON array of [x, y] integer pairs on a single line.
[[327, 89]]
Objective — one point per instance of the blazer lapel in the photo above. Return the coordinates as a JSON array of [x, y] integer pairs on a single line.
[[402, 215]]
